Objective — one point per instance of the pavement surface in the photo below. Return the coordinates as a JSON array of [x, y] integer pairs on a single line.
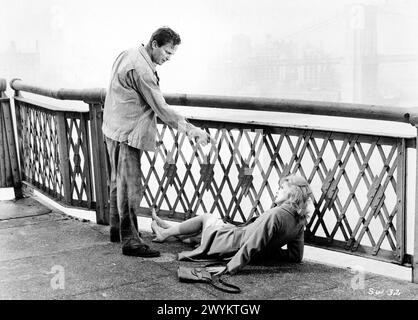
[[46, 254]]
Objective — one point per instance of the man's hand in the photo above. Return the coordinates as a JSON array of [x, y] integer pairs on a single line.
[[200, 136]]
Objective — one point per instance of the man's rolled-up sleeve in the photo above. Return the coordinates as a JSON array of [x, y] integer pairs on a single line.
[[146, 86]]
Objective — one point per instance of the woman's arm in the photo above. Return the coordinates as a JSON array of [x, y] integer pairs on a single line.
[[293, 253]]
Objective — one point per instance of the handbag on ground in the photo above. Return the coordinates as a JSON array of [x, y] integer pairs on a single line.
[[200, 274]]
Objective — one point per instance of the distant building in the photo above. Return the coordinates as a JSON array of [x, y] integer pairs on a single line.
[[358, 55], [15, 63]]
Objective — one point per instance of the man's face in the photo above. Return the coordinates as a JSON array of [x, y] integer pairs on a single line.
[[162, 54]]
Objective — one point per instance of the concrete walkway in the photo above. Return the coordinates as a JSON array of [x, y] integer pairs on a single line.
[[46, 254]]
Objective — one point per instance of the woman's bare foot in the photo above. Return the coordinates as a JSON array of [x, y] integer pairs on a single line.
[[160, 222], [159, 237], [161, 225]]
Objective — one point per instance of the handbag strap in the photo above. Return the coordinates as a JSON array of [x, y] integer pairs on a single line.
[[217, 280]]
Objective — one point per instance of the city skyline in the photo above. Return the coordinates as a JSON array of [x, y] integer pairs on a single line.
[[70, 45]]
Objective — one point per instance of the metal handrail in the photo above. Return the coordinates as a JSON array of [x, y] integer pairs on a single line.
[[87, 95], [324, 108]]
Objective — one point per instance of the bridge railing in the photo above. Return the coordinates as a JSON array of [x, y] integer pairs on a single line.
[[359, 180], [9, 167]]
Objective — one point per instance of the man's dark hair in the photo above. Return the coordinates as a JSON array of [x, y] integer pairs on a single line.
[[165, 35]]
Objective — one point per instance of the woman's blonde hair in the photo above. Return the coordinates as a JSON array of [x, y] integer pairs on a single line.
[[300, 193]]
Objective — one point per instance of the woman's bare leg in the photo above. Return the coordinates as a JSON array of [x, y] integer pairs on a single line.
[[165, 225], [186, 228], [187, 238], [160, 222]]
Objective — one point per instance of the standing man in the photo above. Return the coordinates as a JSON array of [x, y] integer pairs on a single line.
[[133, 103]]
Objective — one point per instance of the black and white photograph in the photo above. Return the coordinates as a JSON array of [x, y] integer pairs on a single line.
[[208, 158]]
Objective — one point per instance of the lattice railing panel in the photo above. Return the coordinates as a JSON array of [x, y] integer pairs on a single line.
[[354, 179], [40, 157], [79, 156], [62, 171], [344, 190], [356, 182]]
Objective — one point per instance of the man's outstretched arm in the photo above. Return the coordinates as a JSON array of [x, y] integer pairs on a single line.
[[146, 86]]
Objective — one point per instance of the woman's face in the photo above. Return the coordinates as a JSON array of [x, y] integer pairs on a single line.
[[282, 193]]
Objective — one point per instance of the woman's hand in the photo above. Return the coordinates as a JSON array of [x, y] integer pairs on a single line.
[[217, 271]]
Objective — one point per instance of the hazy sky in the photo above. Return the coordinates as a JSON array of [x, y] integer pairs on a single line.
[[79, 39]]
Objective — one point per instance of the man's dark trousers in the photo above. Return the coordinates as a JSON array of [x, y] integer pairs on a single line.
[[125, 191]]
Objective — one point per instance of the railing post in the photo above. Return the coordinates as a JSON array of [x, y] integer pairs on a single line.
[[64, 156], [99, 163], [415, 256], [401, 202], [9, 142]]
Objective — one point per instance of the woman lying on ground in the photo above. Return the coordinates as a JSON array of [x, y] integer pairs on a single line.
[[260, 239]]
